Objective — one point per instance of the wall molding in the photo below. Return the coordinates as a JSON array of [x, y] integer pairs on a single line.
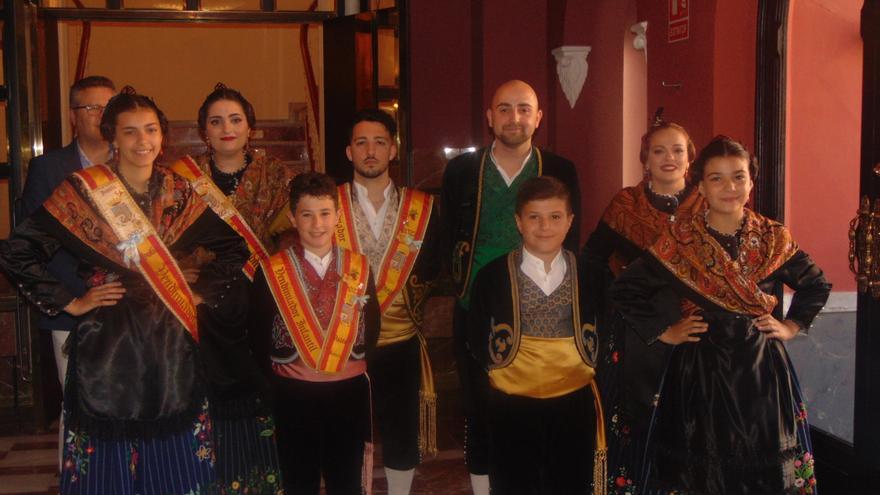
[[572, 68]]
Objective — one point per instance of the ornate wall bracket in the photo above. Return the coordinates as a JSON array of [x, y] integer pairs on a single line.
[[864, 247], [571, 67], [640, 42]]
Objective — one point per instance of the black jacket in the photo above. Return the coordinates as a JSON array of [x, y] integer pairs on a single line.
[[460, 206], [44, 174]]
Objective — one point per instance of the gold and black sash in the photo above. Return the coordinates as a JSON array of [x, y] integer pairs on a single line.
[[631, 215], [136, 241], [692, 255], [322, 349], [187, 168]]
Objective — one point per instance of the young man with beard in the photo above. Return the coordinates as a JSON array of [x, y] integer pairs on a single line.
[[394, 227], [478, 200]]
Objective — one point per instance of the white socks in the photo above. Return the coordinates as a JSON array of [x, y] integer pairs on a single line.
[[399, 482], [479, 484]]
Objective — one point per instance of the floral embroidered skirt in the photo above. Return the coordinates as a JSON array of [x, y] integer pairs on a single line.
[[176, 463], [247, 457], [730, 418]]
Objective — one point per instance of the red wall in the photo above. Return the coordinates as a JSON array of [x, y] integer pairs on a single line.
[[515, 47], [591, 134], [824, 127], [734, 54], [451, 86], [442, 100]]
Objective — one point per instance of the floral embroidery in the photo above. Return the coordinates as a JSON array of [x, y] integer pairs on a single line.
[[133, 457], [258, 481], [202, 439], [621, 484], [802, 413], [619, 428], [267, 426], [804, 476], [77, 457]]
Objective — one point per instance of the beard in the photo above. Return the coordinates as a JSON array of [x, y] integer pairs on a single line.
[[370, 173], [513, 140]]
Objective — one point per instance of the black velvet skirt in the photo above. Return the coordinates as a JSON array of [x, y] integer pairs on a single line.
[[728, 418]]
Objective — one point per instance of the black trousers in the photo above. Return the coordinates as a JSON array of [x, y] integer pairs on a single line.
[[395, 374], [475, 390], [322, 428], [541, 446]]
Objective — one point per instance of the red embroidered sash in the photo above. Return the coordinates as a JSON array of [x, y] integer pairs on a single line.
[[139, 243], [322, 349], [411, 224], [187, 168], [692, 255]]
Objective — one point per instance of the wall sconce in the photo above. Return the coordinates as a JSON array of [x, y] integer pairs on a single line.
[[571, 67], [451, 153], [640, 42]]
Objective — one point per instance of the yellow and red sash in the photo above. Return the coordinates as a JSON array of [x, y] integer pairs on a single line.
[[410, 226], [139, 242], [326, 350], [187, 168]]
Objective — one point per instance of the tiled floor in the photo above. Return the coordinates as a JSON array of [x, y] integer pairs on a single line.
[[28, 465]]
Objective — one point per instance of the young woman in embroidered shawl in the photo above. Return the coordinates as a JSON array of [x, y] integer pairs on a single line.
[[730, 419], [257, 188], [135, 408], [629, 367]]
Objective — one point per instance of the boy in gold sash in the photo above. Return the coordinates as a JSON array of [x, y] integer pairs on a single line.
[[530, 326], [320, 318], [396, 230]]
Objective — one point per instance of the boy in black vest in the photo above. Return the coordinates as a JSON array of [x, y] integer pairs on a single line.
[[531, 328]]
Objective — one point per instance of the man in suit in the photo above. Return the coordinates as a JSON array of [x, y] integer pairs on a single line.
[[88, 97]]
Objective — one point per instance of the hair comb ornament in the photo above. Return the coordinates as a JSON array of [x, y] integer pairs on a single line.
[[657, 120]]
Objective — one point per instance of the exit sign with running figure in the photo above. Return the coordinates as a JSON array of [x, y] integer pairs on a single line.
[[679, 20]]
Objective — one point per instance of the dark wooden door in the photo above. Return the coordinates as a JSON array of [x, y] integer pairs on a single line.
[[867, 410]]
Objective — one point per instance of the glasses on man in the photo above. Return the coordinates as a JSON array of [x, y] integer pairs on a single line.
[[91, 109]]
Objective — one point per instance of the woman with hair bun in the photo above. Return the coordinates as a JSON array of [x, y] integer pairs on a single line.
[[135, 406], [729, 417], [247, 190], [628, 362]]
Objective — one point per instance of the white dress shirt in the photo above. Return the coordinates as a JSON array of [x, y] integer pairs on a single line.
[[320, 264], [376, 218], [508, 179], [533, 267]]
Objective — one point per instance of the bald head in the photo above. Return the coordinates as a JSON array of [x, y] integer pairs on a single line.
[[514, 114]]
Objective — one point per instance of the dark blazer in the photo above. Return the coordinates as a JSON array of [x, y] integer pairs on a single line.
[[45, 173], [460, 206]]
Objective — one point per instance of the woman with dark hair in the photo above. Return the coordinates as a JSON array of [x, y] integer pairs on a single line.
[[247, 190], [730, 419], [628, 365], [135, 408]]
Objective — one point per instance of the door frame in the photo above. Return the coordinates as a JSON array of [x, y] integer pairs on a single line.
[[844, 466]]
